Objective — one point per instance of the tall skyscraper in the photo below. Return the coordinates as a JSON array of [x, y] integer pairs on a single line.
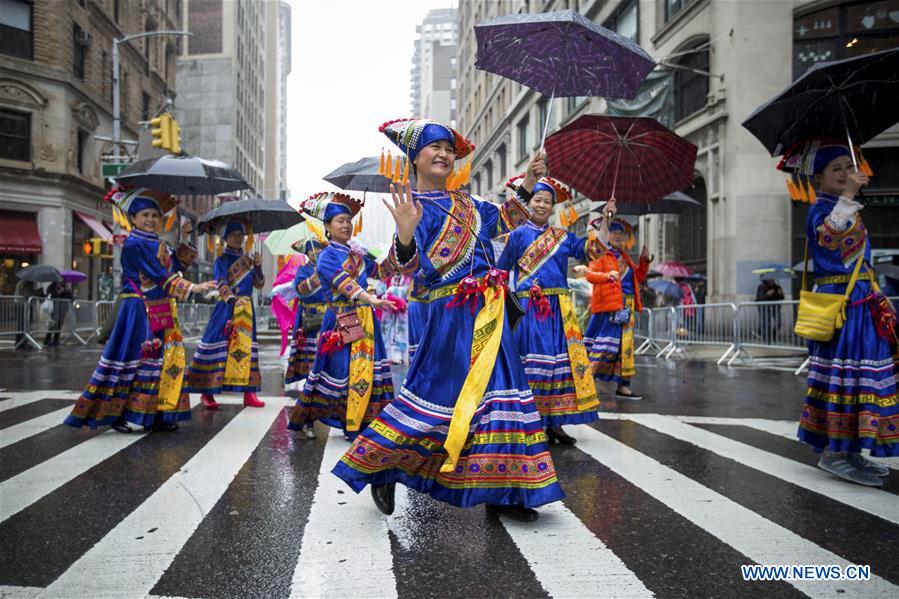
[[433, 78]]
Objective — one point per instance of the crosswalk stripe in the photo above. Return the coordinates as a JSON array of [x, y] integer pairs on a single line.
[[589, 567], [25, 488], [12, 592], [759, 539], [32, 427], [782, 428], [863, 498], [346, 549], [20, 399], [151, 536]]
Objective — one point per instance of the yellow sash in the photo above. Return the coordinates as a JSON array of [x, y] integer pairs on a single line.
[[240, 344], [488, 331], [362, 370], [173, 363], [584, 386], [628, 369]]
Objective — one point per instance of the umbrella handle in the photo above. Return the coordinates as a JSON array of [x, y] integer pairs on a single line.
[[548, 115]]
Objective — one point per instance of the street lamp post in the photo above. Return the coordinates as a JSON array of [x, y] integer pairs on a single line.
[[116, 101]]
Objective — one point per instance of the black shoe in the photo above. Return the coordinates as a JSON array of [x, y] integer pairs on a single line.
[[122, 428], [627, 396], [165, 427], [515, 512], [557, 435], [384, 497]]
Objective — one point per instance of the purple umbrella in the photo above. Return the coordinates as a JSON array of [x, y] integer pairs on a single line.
[[73, 276], [562, 54]]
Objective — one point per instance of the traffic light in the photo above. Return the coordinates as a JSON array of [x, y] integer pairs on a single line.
[[92, 247], [161, 130], [166, 133]]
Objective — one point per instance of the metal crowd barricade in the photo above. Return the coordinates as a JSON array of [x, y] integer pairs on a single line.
[[704, 324], [103, 312], [663, 321], [765, 325], [58, 321], [83, 320], [15, 320], [643, 329]]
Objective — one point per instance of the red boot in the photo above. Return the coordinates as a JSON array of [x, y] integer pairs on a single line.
[[208, 401], [250, 401]]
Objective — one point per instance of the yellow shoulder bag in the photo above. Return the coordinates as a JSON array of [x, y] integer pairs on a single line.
[[821, 314]]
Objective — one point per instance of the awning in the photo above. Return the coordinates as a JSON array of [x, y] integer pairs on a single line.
[[96, 226], [19, 233]]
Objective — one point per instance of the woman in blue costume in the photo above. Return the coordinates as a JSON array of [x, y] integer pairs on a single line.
[[464, 428], [549, 338], [418, 312], [227, 359], [851, 401], [139, 377], [350, 379]]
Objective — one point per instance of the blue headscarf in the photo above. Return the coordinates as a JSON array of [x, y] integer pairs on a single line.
[[617, 226], [312, 245], [232, 226], [540, 186], [826, 154], [333, 209], [432, 132], [142, 203]]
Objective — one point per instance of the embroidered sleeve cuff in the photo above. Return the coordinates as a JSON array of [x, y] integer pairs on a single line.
[[512, 214], [843, 213], [403, 259], [594, 247], [177, 287], [346, 285], [850, 242], [225, 292]]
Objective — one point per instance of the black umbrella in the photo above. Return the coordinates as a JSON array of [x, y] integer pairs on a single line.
[[39, 273], [362, 175], [673, 203], [183, 175], [854, 98], [263, 215]]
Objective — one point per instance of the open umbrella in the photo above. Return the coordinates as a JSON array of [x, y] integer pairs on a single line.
[[854, 98], [561, 54], [674, 269], [362, 175], [263, 215], [183, 175], [73, 276], [634, 159], [669, 288], [774, 272], [673, 203], [39, 273], [280, 243]]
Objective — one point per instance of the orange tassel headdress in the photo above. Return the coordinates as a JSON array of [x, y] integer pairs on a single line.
[[804, 160], [410, 135]]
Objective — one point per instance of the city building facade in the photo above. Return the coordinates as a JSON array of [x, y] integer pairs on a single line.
[[719, 60], [433, 78], [56, 94]]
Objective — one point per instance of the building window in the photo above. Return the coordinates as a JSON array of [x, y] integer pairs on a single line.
[[488, 169], [501, 157], [15, 135], [80, 42], [523, 149], [690, 244], [81, 147], [691, 82], [144, 106], [624, 20], [843, 31], [115, 10], [672, 7], [15, 29], [476, 184], [542, 111]]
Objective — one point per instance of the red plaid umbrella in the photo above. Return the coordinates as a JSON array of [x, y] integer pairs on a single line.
[[633, 159], [674, 269]]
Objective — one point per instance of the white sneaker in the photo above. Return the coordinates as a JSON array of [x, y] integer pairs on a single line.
[[309, 432]]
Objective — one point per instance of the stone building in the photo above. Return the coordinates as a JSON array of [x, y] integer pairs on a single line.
[[720, 59], [56, 115], [433, 78]]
